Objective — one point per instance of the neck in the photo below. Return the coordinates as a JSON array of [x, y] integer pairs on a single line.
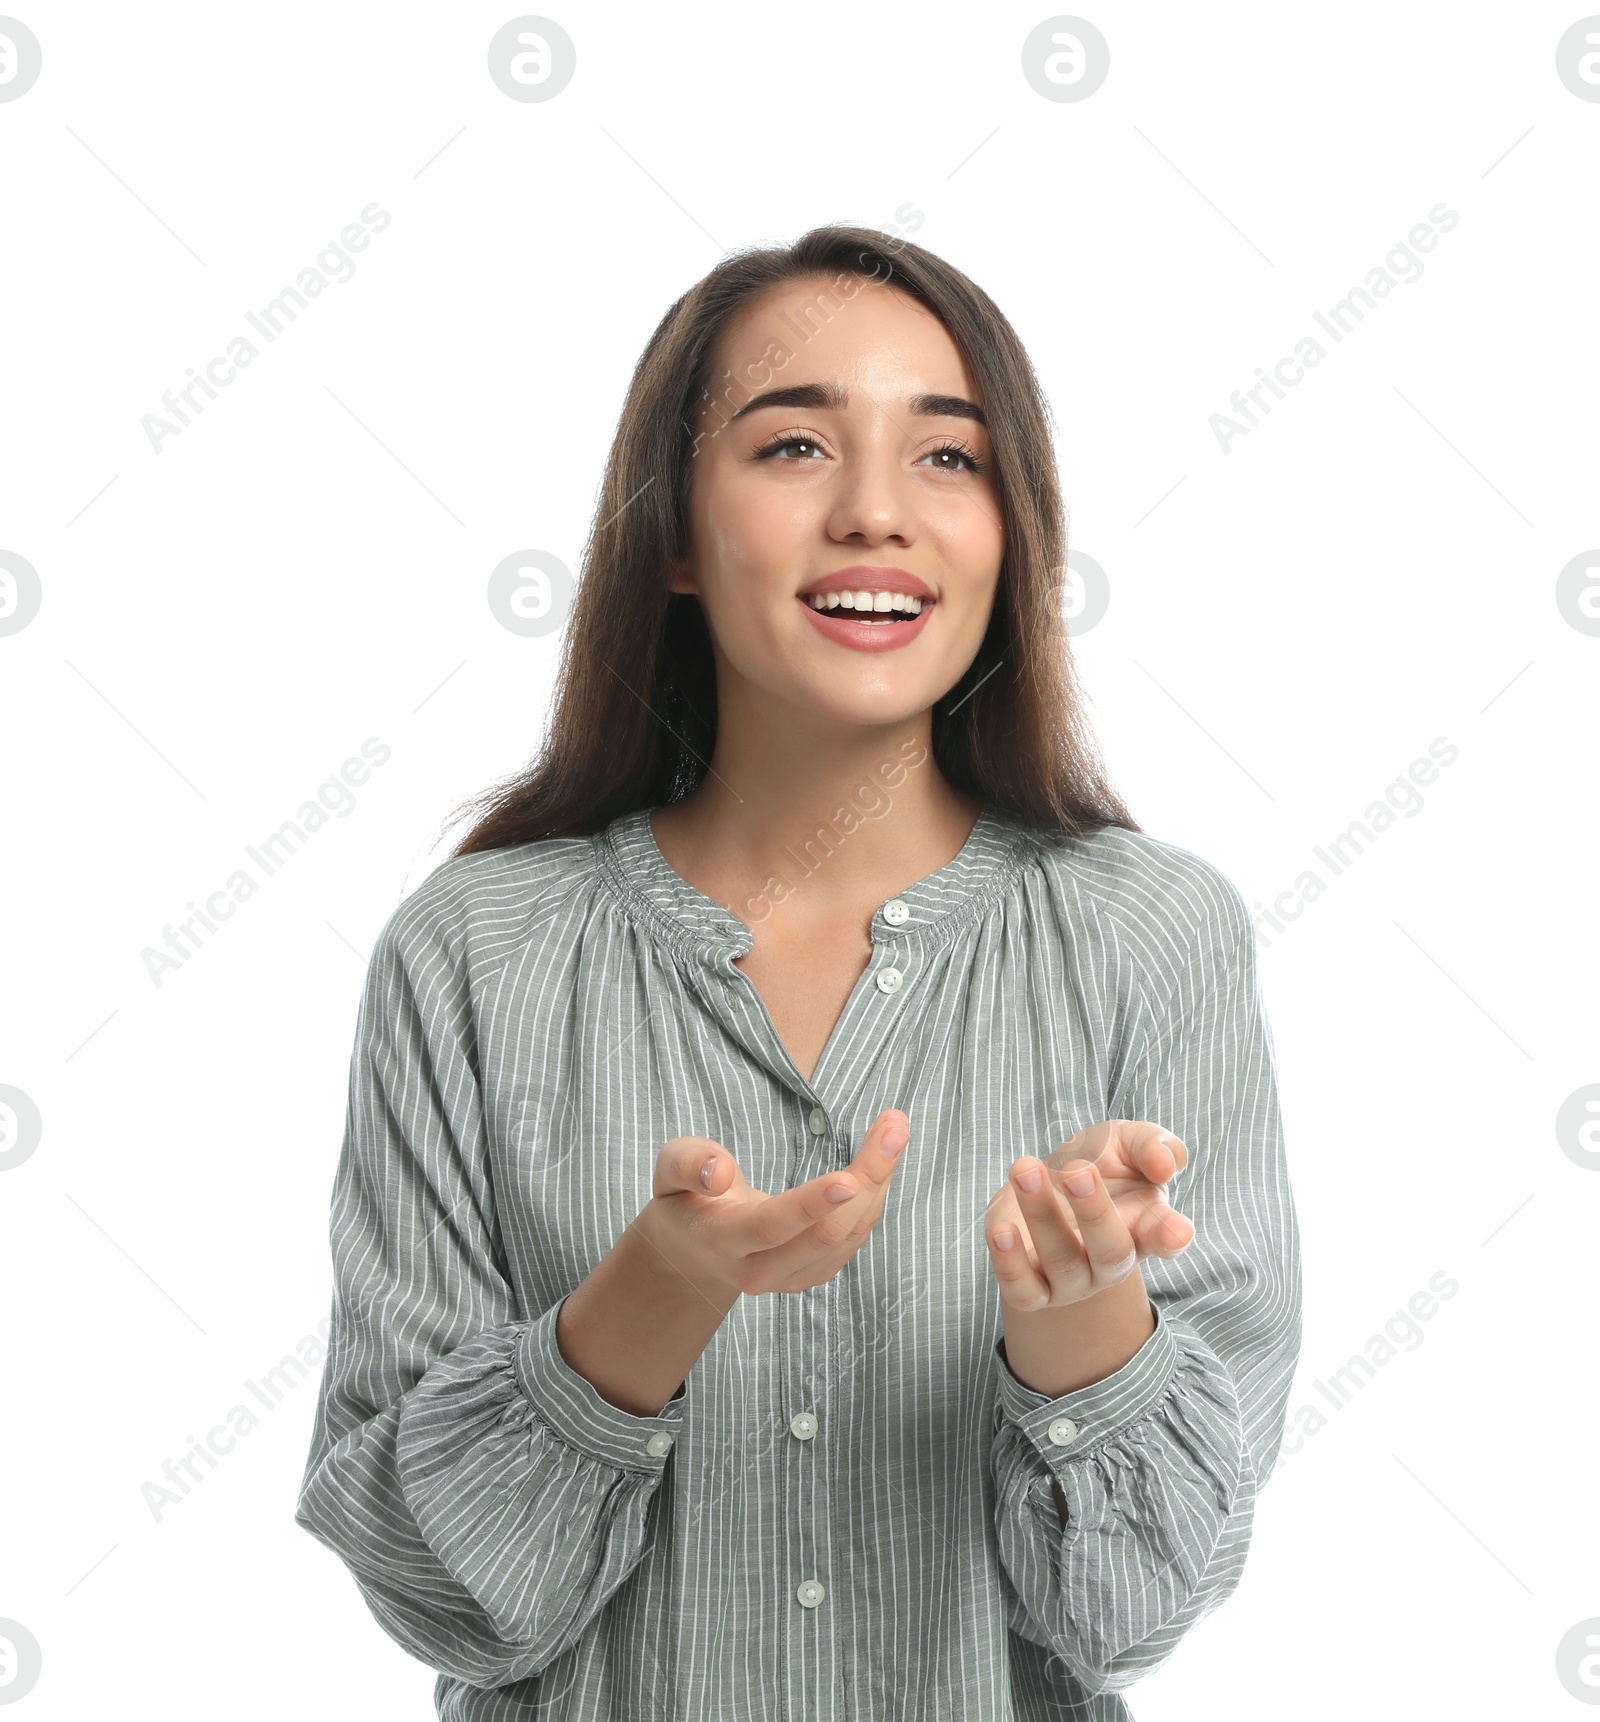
[[808, 831]]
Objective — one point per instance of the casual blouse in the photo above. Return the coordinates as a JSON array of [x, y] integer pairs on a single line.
[[845, 1513]]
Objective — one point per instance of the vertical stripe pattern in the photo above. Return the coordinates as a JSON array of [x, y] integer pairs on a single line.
[[845, 1513]]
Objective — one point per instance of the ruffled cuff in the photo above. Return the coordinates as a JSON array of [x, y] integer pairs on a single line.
[[530, 1489], [1072, 1425], [570, 1405], [1152, 1467]]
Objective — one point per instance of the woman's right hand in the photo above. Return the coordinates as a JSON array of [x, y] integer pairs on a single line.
[[717, 1231]]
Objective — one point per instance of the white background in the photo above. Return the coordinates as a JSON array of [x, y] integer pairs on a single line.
[[223, 624]]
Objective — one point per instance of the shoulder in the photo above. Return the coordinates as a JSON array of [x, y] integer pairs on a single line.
[[1157, 896], [474, 911]]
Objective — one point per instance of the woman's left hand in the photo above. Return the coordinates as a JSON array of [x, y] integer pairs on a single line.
[[1067, 1247]]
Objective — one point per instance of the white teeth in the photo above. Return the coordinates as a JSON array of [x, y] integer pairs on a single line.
[[905, 603]]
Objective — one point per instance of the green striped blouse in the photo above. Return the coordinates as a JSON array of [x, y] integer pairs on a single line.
[[845, 1513]]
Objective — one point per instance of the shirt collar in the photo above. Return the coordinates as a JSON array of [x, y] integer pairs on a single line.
[[634, 868]]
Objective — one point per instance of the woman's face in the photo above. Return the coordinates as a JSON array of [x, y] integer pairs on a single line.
[[876, 471]]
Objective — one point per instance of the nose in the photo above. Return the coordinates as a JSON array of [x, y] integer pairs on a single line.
[[872, 502]]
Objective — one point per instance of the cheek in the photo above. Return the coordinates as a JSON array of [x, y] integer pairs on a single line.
[[972, 555], [753, 529], [746, 558], [971, 535]]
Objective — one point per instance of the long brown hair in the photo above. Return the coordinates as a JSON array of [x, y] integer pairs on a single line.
[[635, 712]]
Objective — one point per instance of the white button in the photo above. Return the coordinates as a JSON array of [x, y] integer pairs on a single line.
[[659, 1443], [818, 1121], [889, 980], [810, 1593], [803, 1424], [1062, 1430], [895, 912]]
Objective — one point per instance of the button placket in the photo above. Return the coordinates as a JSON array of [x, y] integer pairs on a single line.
[[801, 1369], [890, 979], [809, 1321]]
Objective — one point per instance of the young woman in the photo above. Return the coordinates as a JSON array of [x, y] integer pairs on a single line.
[[759, 1285]]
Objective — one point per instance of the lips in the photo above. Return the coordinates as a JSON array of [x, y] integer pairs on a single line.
[[866, 636], [865, 577]]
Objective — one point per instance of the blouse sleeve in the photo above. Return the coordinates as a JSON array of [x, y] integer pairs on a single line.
[[1161, 1462], [486, 1499]]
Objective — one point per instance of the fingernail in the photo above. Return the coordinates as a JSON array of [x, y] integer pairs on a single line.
[[1080, 1183], [840, 1193], [706, 1171], [1030, 1178], [894, 1139], [1005, 1239]]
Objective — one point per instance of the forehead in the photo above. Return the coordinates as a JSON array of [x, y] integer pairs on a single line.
[[822, 328]]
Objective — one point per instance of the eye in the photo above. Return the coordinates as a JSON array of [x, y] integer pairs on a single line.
[[961, 453], [951, 457], [792, 439]]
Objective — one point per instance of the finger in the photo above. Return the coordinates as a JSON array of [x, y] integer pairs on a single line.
[[1162, 1231], [1002, 1206], [1020, 1282], [693, 1163], [1108, 1246], [831, 1238], [783, 1217], [846, 1223], [697, 1164], [870, 1170], [1152, 1151], [1106, 1144], [882, 1147], [1055, 1241]]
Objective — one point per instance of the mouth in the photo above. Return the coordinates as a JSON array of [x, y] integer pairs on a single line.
[[863, 629], [849, 607], [869, 606]]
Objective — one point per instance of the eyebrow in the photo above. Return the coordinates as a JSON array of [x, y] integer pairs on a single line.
[[820, 396]]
